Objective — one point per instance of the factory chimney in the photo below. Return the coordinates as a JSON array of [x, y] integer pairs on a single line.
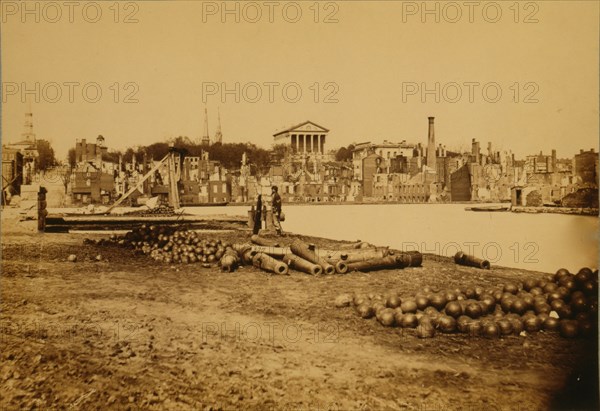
[[431, 145], [475, 151]]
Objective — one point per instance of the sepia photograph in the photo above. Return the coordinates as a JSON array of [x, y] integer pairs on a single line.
[[301, 205]]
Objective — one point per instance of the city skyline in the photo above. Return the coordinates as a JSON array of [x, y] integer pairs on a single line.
[[461, 147], [362, 76]]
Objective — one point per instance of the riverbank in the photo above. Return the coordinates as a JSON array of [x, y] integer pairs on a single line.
[[374, 202], [474, 204], [126, 332], [593, 212], [520, 240]]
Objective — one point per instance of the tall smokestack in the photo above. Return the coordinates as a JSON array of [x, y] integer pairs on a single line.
[[431, 145], [475, 150]]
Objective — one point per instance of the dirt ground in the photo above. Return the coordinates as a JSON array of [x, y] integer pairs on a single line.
[[129, 333]]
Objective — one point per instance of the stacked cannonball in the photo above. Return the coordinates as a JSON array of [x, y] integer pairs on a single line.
[[172, 245], [563, 303]]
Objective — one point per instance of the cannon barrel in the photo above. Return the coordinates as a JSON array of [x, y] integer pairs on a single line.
[[300, 264], [247, 256], [350, 256], [416, 258], [341, 267], [271, 250], [331, 254], [230, 260], [245, 252], [268, 263], [365, 255], [403, 260], [302, 249], [471, 261], [390, 261], [409, 258], [356, 245], [256, 239], [239, 247]]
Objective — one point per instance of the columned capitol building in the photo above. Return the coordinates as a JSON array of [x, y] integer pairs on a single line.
[[305, 138]]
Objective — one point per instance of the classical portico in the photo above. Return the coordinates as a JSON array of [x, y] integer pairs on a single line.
[[306, 138]]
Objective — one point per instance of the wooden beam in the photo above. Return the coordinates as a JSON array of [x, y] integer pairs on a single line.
[[139, 183]]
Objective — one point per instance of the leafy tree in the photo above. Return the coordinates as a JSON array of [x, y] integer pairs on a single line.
[[228, 154], [280, 151], [46, 157], [344, 153], [157, 151], [111, 156], [182, 141], [130, 152]]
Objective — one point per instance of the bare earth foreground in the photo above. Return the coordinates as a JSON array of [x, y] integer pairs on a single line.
[[129, 333]]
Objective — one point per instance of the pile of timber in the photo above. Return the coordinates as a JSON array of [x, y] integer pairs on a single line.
[[308, 258], [70, 222]]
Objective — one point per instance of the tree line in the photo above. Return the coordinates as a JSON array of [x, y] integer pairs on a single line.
[[228, 154]]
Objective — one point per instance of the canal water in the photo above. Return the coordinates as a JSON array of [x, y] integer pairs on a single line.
[[541, 242]]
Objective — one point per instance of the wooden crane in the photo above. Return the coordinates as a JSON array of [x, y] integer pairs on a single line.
[[173, 158]]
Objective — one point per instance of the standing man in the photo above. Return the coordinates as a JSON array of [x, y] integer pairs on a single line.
[[258, 215], [276, 207]]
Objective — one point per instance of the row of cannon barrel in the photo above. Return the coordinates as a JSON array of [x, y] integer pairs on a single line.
[[180, 245], [271, 256]]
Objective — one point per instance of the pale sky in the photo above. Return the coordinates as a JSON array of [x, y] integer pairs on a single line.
[[368, 57]]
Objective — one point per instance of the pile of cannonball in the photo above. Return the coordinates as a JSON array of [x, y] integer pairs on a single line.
[[565, 303], [170, 244]]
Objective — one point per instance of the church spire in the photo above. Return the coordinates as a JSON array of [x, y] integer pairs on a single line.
[[205, 136], [218, 134]]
